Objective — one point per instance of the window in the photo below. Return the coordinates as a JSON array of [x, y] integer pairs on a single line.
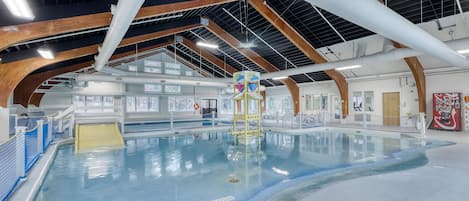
[[94, 103], [142, 103], [108, 104], [172, 69], [308, 102], [227, 106], [316, 103], [153, 88], [172, 89], [369, 101], [280, 104], [152, 70], [357, 101], [132, 68], [130, 103], [154, 104], [180, 103], [189, 73], [324, 102], [337, 107], [150, 63]]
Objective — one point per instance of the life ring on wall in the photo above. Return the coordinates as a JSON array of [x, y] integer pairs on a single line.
[[196, 106]]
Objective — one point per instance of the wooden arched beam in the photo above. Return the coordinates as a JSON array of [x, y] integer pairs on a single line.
[[417, 71], [257, 59], [304, 46], [36, 99], [11, 35], [23, 93], [25, 89], [12, 73], [209, 56]]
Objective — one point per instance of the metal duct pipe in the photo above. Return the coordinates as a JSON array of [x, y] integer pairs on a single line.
[[391, 25], [123, 15], [118, 72], [381, 57], [153, 80]]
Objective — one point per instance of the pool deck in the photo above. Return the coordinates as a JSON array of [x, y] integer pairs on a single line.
[[445, 177]]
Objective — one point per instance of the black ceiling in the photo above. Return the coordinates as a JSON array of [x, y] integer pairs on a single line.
[[300, 14]]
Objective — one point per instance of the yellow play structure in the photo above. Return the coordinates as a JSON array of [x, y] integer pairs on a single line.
[[247, 108], [89, 137]]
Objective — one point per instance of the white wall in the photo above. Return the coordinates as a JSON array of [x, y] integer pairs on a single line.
[[454, 82], [404, 85], [328, 88]]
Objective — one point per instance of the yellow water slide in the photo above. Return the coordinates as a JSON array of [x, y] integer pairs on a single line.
[[89, 137]]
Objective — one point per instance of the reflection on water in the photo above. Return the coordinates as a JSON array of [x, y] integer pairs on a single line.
[[208, 166]]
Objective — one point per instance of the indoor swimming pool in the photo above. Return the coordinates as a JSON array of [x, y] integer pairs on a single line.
[[208, 166]]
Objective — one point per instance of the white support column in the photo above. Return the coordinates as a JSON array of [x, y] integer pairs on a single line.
[[213, 118], [71, 125], [122, 111], [301, 120], [60, 124], [50, 129], [40, 136], [4, 124], [423, 125], [20, 155], [172, 120]]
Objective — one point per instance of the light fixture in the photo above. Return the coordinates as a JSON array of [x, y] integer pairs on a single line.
[[280, 78], [247, 45], [46, 52], [202, 44], [348, 67], [463, 51], [19, 8]]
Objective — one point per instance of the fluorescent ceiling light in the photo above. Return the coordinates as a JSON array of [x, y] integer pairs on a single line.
[[280, 78], [349, 67], [46, 52], [19, 8], [247, 45], [202, 44], [463, 51]]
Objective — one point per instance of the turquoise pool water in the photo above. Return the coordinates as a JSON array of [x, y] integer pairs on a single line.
[[207, 166]]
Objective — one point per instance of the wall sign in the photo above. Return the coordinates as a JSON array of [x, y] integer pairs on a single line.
[[447, 109]]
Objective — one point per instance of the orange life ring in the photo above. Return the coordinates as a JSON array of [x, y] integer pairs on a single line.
[[196, 106]]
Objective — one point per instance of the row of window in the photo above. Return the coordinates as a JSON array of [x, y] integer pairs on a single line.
[[316, 102], [133, 103], [157, 67], [94, 103], [363, 101], [158, 88]]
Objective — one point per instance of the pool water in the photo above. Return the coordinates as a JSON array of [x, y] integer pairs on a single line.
[[208, 166]]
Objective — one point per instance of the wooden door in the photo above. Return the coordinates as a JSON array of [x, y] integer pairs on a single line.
[[391, 109]]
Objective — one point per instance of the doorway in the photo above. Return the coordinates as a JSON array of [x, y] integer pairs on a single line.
[[209, 106], [391, 109]]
